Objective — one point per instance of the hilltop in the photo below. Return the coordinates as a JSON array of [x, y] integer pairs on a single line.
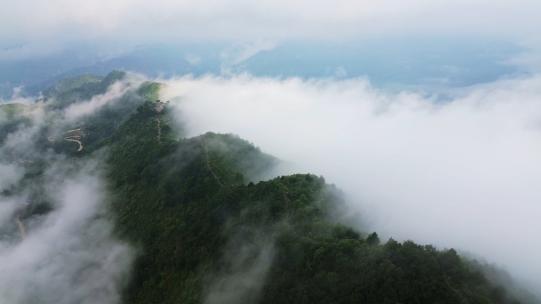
[[207, 223]]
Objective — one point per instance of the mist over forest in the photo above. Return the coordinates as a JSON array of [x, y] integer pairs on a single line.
[[270, 152]]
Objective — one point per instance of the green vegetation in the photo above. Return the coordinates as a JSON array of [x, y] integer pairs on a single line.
[[150, 90], [12, 110], [80, 88], [184, 202], [74, 83], [200, 217], [11, 118]]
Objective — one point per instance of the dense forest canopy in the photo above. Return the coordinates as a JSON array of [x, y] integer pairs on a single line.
[[205, 222]]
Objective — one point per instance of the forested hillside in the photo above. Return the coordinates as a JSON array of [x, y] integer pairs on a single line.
[[209, 227]]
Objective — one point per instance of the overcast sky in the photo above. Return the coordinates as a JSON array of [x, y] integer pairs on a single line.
[[38, 26], [31, 19]]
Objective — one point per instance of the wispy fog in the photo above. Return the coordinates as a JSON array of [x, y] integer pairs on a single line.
[[68, 256], [56, 237], [115, 91], [243, 276], [460, 173], [9, 174]]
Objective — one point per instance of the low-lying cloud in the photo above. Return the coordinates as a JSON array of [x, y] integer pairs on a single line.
[[56, 237], [460, 173], [69, 256], [246, 267], [9, 174], [114, 92]]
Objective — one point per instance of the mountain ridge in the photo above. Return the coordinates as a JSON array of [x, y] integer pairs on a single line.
[[209, 228]]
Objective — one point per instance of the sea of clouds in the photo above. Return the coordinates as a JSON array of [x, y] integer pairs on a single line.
[[462, 172]]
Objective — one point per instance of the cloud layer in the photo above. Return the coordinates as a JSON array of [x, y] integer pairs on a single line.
[[460, 173], [70, 256], [67, 252]]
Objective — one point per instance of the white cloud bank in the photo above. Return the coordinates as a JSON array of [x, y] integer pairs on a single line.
[[463, 173]]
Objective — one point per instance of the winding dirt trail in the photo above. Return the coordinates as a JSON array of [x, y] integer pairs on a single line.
[[72, 139], [75, 136], [159, 107], [159, 125]]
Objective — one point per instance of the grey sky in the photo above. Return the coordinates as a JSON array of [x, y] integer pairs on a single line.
[[31, 27]]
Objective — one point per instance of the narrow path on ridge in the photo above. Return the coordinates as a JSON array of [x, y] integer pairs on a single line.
[[209, 166]]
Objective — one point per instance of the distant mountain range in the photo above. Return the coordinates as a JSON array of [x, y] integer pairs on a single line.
[[429, 63]]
